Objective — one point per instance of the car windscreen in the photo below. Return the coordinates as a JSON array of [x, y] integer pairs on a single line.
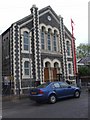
[[43, 85]]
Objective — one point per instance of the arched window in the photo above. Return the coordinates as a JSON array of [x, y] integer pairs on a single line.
[[56, 65], [42, 37], [69, 68], [54, 41], [48, 39], [26, 67], [47, 65], [68, 48], [26, 40]]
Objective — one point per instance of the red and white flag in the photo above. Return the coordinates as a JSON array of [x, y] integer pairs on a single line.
[[72, 25]]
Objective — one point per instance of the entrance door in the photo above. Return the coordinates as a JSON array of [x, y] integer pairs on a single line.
[[54, 74], [46, 74]]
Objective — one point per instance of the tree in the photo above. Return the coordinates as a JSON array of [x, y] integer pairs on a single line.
[[83, 50], [84, 71], [83, 53]]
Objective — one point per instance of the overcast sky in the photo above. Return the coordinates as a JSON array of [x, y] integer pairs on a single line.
[[14, 10]]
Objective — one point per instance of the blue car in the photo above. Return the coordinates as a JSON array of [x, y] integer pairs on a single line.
[[52, 91]]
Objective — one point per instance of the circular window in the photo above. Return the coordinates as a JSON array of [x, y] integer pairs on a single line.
[[49, 18]]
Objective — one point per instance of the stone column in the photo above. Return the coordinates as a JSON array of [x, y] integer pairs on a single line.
[[63, 48], [36, 45], [16, 59]]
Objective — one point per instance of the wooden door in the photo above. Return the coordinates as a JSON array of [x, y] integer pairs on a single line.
[[54, 74], [46, 74]]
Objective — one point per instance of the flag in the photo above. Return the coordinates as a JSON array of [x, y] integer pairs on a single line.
[[72, 24], [73, 47], [72, 21]]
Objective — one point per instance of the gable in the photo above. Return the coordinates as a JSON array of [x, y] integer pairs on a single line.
[[48, 18], [43, 18]]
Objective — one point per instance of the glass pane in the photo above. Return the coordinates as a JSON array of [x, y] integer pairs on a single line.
[[26, 71], [43, 85], [49, 42], [54, 48], [54, 42], [56, 85], [42, 46], [42, 40], [26, 47], [49, 47], [26, 64], [26, 40], [69, 68], [68, 48], [63, 85]]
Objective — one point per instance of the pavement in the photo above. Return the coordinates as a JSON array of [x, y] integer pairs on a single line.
[[13, 100], [14, 97]]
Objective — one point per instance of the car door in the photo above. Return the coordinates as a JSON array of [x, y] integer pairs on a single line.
[[59, 91], [67, 89]]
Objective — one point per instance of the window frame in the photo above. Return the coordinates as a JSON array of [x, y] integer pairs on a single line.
[[69, 68], [27, 68], [55, 42], [42, 40], [66, 85], [49, 41], [68, 48], [26, 37], [56, 86]]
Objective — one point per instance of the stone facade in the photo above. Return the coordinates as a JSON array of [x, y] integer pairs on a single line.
[[40, 49]]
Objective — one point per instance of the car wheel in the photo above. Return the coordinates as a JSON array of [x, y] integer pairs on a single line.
[[52, 99], [77, 94]]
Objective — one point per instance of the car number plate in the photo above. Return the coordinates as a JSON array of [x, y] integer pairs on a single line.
[[33, 93]]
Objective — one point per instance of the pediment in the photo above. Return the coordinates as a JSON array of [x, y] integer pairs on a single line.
[[49, 17], [46, 16]]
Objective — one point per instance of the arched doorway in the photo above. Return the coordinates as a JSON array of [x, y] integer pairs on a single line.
[[55, 71], [47, 71], [51, 70]]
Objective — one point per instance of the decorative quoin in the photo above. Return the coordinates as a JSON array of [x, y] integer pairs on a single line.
[[36, 50], [36, 44]]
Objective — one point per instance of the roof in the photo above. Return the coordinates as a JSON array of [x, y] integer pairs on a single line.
[[27, 18], [40, 11], [85, 60], [48, 8]]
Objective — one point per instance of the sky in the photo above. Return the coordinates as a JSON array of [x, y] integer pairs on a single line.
[[14, 10]]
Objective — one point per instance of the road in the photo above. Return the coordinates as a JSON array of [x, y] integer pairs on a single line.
[[67, 108]]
